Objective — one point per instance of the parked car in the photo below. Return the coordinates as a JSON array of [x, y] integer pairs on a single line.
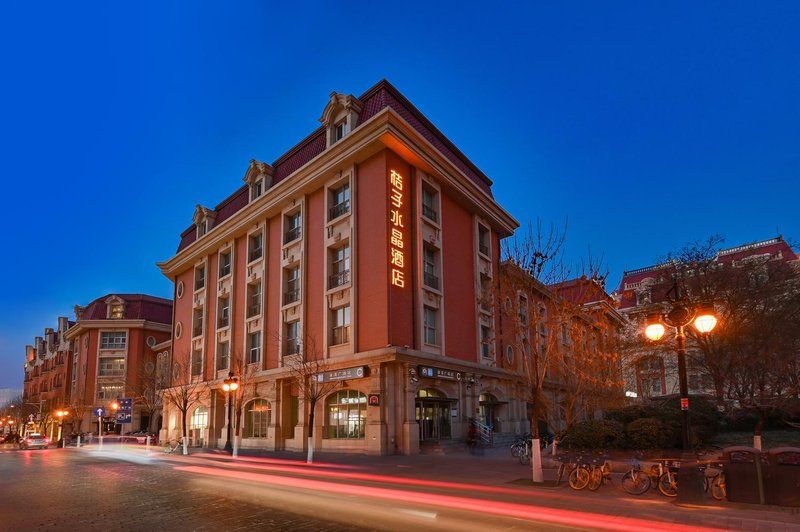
[[141, 436], [34, 441]]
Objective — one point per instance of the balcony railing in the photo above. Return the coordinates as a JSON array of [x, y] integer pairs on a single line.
[[429, 213], [223, 322], [339, 209], [197, 330], [431, 280], [253, 310], [255, 254], [291, 346], [291, 234], [483, 248], [338, 279], [340, 335], [199, 283], [291, 296]]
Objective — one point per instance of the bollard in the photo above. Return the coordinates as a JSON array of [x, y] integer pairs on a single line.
[[79, 441], [690, 483]]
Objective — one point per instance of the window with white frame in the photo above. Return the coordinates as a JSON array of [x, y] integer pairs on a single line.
[[223, 355], [292, 293], [430, 203], [199, 277], [197, 322], [257, 420], [113, 340], [255, 247], [199, 419], [340, 326], [256, 189], [486, 339], [340, 201], [340, 130], [111, 367], [340, 266], [429, 276], [109, 391], [254, 347], [292, 227], [253, 299], [223, 312], [224, 264], [483, 239], [197, 362], [291, 338], [429, 326]]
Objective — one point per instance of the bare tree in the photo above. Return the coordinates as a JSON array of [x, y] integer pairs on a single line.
[[551, 329], [248, 389], [308, 368], [144, 389], [183, 393]]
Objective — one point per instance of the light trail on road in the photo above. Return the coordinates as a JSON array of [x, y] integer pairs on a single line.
[[513, 510]]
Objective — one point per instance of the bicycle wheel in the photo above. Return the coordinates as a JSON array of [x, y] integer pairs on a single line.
[[595, 478], [517, 449], [635, 482], [668, 484], [579, 478], [718, 488], [525, 457]]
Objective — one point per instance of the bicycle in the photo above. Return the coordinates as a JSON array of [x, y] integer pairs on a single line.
[[579, 476], [169, 448], [636, 481], [714, 480], [599, 474], [519, 445]]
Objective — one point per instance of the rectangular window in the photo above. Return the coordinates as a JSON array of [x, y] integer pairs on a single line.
[[253, 299], [199, 277], [113, 340], [340, 199], [429, 204], [340, 334], [291, 340], [224, 264], [340, 131], [111, 367], [117, 312], [197, 327], [483, 240], [197, 363], [224, 312], [292, 227], [292, 293], [486, 347], [202, 228], [223, 355], [109, 391], [340, 267], [255, 247], [254, 348], [256, 189], [429, 267], [430, 326]]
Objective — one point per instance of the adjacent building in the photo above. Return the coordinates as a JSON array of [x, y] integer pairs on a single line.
[[370, 246]]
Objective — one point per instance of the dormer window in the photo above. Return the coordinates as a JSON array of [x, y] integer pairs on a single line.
[[203, 219], [258, 177], [340, 116], [115, 308]]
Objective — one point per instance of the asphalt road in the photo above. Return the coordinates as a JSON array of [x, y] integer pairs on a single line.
[[113, 489]]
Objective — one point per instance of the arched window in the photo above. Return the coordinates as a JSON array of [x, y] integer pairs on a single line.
[[259, 415], [346, 414], [199, 419]]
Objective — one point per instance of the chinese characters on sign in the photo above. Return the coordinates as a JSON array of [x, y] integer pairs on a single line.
[[397, 254]]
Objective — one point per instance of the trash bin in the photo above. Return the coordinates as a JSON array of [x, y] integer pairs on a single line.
[[744, 474], [782, 484]]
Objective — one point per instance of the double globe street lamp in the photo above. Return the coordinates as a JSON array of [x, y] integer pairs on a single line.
[[231, 384], [679, 317]]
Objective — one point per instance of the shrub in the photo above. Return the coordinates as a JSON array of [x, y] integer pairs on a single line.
[[595, 434], [648, 433]]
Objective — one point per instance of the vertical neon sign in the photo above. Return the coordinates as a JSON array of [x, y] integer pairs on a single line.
[[396, 244]]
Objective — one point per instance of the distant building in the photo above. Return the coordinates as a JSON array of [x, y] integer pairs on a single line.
[[105, 354], [650, 372]]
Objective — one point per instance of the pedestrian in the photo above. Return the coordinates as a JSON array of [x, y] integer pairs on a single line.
[[472, 437]]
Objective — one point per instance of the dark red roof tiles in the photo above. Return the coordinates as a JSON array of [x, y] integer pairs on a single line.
[[378, 97], [137, 307]]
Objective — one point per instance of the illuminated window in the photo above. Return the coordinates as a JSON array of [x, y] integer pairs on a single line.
[[117, 311], [255, 247], [346, 415], [109, 391], [340, 332], [340, 266], [113, 340], [292, 227], [199, 419], [224, 264], [254, 299], [257, 420], [254, 347], [340, 201], [223, 355], [429, 326]]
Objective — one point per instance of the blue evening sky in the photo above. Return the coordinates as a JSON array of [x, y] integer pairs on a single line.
[[648, 124]]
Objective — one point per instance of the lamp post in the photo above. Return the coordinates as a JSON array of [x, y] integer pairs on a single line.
[[60, 413], [230, 385]]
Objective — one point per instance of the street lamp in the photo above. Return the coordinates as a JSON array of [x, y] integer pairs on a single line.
[[230, 385], [115, 407], [680, 316], [60, 413]]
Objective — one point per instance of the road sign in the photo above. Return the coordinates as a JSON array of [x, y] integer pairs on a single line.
[[100, 411], [125, 405]]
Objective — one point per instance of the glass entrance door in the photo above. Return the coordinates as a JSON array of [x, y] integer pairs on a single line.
[[433, 418]]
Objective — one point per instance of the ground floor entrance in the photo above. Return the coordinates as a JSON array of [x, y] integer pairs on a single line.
[[433, 415]]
